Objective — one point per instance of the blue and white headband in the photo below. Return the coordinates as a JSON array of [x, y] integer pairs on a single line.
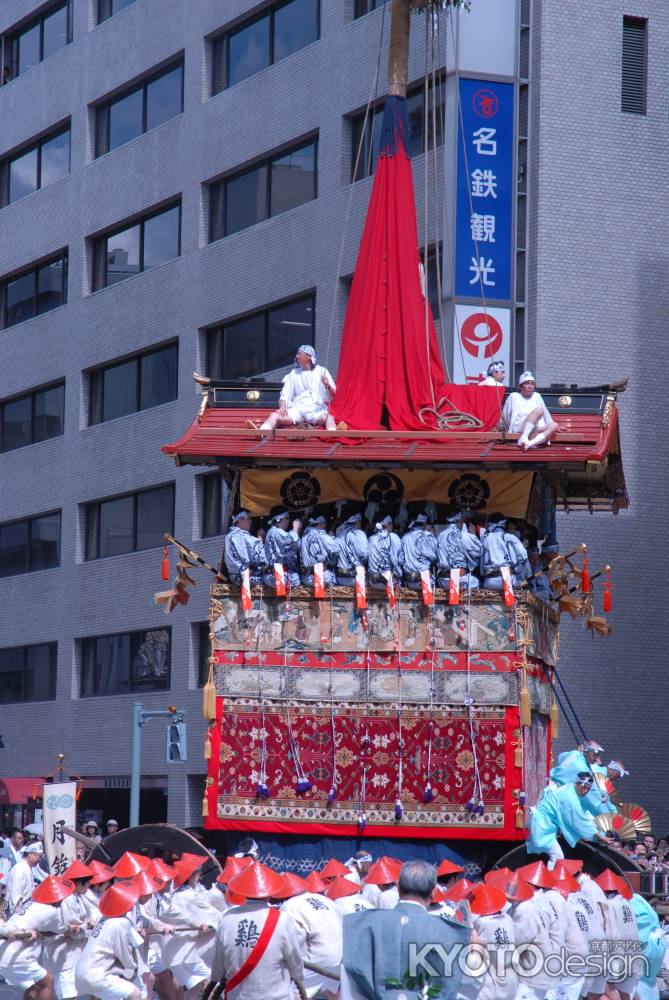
[[275, 518], [306, 349], [496, 366], [239, 515], [526, 377]]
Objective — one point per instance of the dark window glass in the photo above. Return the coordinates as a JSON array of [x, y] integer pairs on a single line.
[[55, 158], [123, 254], [161, 238], [262, 341], [116, 527], [50, 286], [244, 346], [365, 6], [125, 119], [29, 49], [246, 200], [289, 326], [107, 8], [293, 180], [23, 175], [12, 664], [164, 97], [49, 414], [295, 25], [17, 423], [634, 65], [370, 137], [158, 377], [248, 50], [120, 390], [211, 505], [118, 664], [45, 542], [55, 32], [203, 652], [155, 516], [40, 672], [14, 548], [20, 299]]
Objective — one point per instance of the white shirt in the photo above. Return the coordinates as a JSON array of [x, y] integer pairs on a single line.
[[20, 885], [303, 388], [188, 909], [351, 904], [319, 933], [64, 952], [497, 933], [30, 917], [111, 950], [271, 979], [517, 408]]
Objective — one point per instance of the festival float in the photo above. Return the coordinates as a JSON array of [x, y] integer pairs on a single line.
[[357, 713]]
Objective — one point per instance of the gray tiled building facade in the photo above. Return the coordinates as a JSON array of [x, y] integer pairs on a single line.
[[597, 258]]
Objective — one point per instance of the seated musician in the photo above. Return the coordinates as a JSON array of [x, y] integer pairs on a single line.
[[282, 546], [458, 548], [500, 548], [318, 547], [243, 551], [353, 550], [385, 554], [419, 551]]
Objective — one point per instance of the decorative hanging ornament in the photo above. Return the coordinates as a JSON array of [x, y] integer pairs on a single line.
[[586, 585], [426, 586], [247, 602], [607, 591], [360, 588], [279, 580], [319, 581], [454, 587], [166, 564], [509, 596], [390, 587]]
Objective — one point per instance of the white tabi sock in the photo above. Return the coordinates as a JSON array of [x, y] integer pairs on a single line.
[[537, 439], [524, 434]]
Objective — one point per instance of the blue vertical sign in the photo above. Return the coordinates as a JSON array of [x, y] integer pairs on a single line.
[[484, 234]]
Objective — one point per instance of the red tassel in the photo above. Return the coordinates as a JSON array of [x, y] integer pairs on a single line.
[[586, 586], [607, 592], [166, 564]]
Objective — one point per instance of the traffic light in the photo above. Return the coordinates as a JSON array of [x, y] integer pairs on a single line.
[[176, 748]]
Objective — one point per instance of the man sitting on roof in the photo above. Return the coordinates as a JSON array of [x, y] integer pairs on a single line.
[[525, 413], [306, 394]]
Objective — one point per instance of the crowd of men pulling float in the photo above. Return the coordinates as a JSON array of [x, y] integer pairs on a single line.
[[361, 930]]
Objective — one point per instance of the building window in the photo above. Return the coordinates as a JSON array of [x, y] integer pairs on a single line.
[[266, 189], [265, 39], [134, 384], [203, 652], [147, 243], [40, 38], [28, 673], [214, 496], [36, 166], [142, 107], [33, 292], [368, 135], [634, 65], [129, 523], [33, 417], [30, 545], [261, 341], [125, 662], [107, 8], [365, 6]]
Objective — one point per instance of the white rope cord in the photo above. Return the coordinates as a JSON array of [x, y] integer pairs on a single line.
[[438, 129], [426, 297]]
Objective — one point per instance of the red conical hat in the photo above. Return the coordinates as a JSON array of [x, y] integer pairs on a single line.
[[78, 870], [101, 873], [448, 868], [232, 867], [608, 881], [384, 871], [118, 899], [160, 870], [515, 888], [438, 895], [315, 882], [192, 858], [537, 874], [292, 885], [53, 890], [487, 899], [498, 876], [185, 866], [257, 881], [146, 884], [340, 887], [570, 865], [462, 889], [234, 898], [130, 864], [333, 868], [566, 884]]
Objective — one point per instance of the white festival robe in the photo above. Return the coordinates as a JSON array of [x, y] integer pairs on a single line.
[[319, 931]]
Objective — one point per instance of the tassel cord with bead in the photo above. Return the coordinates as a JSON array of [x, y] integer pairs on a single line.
[[332, 794], [476, 805]]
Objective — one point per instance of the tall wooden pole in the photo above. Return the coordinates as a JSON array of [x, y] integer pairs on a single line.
[[398, 52]]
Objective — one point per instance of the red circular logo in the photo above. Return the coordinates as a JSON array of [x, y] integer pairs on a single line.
[[481, 335], [485, 103]]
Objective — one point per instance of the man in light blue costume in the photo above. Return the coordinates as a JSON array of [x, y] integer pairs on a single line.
[[458, 548], [561, 811], [501, 548], [379, 944], [318, 547], [572, 762], [385, 553], [653, 946], [353, 549], [419, 551], [243, 551], [598, 800], [283, 546]]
